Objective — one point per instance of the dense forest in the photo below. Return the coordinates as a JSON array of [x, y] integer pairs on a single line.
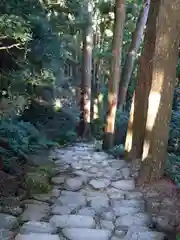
[[102, 71]]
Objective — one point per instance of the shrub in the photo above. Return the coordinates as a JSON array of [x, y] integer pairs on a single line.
[[172, 167], [97, 128], [174, 133], [66, 137], [18, 139], [121, 127], [117, 151], [59, 126]]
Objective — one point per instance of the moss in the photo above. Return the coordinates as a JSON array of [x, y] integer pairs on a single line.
[[47, 170], [37, 181]]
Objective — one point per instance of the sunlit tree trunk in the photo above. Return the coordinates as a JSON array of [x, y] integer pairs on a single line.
[[156, 101], [95, 81], [115, 74], [131, 56], [136, 125], [85, 101]]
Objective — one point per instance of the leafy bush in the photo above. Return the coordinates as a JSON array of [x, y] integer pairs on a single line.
[[66, 137], [174, 133], [172, 167], [117, 151], [97, 127], [122, 119], [59, 126], [18, 139]]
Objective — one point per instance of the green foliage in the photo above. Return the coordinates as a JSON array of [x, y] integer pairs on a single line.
[[18, 139], [65, 138], [172, 167], [97, 127], [117, 151], [174, 133], [35, 52], [178, 237], [14, 27], [38, 181]]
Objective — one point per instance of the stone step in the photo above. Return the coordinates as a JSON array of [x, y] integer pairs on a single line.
[[37, 236], [86, 234], [37, 227], [72, 221]]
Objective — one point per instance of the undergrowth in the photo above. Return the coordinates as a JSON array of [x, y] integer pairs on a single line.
[[172, 167], [18, 139]]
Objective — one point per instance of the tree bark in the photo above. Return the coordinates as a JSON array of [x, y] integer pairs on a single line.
[[95, 88], [150, 126], [85, 101], [136, 125], [115, 74], [161, 93], [131, 56]]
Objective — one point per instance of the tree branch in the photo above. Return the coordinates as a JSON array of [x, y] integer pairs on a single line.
[[11, 46]]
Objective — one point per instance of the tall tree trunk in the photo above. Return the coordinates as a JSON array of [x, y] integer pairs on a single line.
[[131, 56], [159, 91], [95, 82], [136, 125], [115, 74], [85, 101]]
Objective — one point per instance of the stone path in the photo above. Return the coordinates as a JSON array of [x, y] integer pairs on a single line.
[[93, 198]]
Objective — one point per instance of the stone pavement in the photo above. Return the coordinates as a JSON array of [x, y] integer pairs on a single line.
[[93, 198]]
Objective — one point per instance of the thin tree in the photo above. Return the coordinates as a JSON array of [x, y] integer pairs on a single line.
[[114, 73], [131, 56], [85, 101]]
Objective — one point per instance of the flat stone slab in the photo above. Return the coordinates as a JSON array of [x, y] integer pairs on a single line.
[[5, 234], [99, 184], [136, 232], [87, 211], [8, 221], [62, 210], [35, 212], [37, 236], [107, 225], [73, 184], [14, 211], [99, 204], [122, 211], [43, 197], [148, 235], [86, 234], [108, 215], [72, 221], [124, 184], [134, 195], [37, 227], [58, 180], [141, 219], [76, 200]]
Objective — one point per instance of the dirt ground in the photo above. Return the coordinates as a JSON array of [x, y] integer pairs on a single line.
[[163, 203]]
